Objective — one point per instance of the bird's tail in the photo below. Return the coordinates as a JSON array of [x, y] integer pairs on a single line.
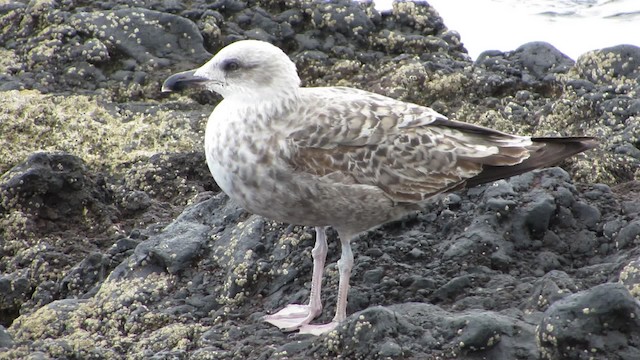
[[546, 151]]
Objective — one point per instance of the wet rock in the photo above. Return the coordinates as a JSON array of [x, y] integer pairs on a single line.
[[628, 235], [548, 289], [453, 288], [15, 289], [602, 321], [170, 177], [52, 186], [373, 276], [419, 330], [534, 62], [586, 213], [622, 61], [630, 277], [538, 215], [5, 338], [174, 248], [166, 267], [88, 273], [136, 201], [105, 37], [347, 18]]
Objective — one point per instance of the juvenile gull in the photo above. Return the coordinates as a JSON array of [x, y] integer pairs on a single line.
[[341, 157]]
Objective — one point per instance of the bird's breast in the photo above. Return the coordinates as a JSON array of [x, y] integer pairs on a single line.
[[244, 154], [248, 157]]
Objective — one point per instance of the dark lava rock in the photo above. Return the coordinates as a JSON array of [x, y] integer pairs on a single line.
[[133, 33], [5, 339], [602, 322], [630, 277], [85, 275], [629, 235], [127, 245], [173, 177], [54, 187], [48, 195], [548, 289], [623, 61], [87, 45], [534, 62], [413, 330]]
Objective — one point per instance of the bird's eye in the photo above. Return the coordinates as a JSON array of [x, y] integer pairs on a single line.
[[231, 65]]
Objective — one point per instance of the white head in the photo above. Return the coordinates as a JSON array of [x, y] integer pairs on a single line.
[[247, 70]]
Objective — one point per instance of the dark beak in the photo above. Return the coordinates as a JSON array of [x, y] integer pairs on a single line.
[[181, 81]]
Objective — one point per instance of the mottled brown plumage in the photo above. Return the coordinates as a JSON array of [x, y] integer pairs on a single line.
[[411, 152], [341, 157]]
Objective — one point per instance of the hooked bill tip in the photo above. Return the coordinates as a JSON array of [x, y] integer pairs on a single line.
[[181, 81]]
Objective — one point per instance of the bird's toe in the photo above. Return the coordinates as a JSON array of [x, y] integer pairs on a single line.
[[318, 329], [292, 317]]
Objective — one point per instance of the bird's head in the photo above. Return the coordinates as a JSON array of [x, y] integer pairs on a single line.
[[248, 70]]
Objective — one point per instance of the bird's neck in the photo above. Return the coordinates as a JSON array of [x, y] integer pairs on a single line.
[[266, 104]]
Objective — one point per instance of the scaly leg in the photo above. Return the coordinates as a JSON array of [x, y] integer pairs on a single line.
[[293, 316], [345, 264]]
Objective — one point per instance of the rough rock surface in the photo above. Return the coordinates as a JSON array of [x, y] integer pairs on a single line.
[[116, 243]]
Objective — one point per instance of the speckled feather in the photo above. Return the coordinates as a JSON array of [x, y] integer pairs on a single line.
[[410, 152]]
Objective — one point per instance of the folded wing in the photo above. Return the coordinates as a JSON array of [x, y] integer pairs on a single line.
[[409, 151]]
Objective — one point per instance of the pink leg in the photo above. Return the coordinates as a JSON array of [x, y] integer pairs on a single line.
[[293, 316], [345, 264]]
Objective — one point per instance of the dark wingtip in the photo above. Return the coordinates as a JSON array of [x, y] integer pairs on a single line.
[[181, 81], [555, 149], [577, 144]]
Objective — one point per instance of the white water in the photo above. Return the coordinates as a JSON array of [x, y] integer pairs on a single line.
[[572, 26]]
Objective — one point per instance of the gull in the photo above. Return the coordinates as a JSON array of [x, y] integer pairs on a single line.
[[341, 157]]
